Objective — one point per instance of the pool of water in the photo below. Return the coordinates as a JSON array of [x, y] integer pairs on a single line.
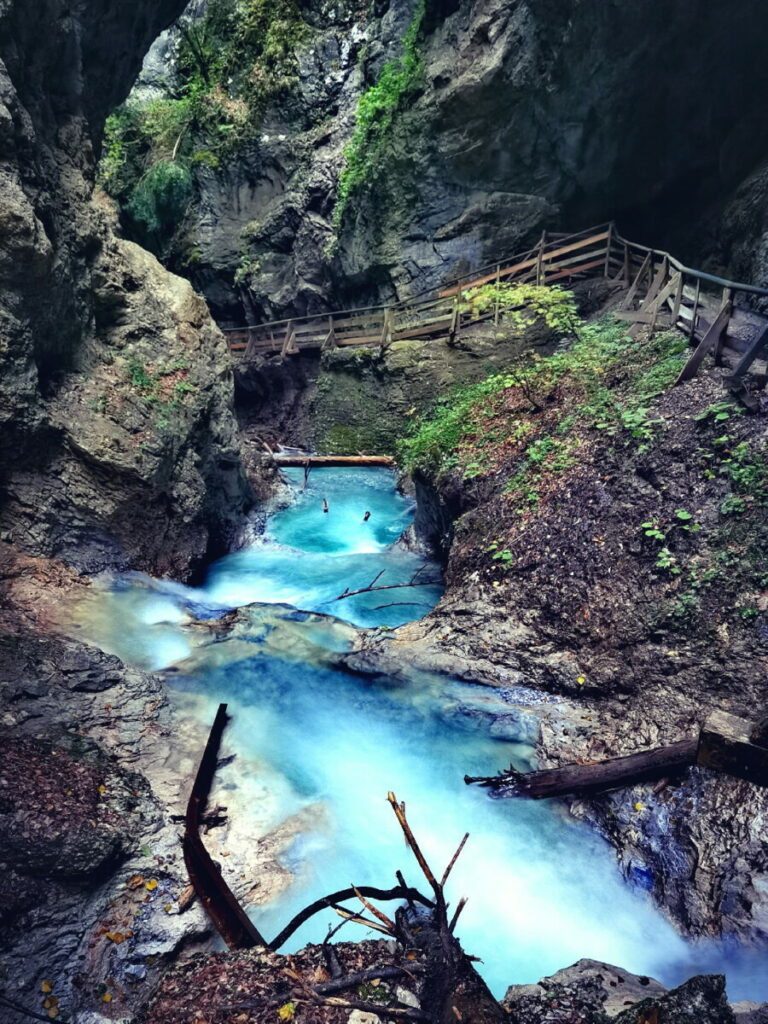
[[543, 891]]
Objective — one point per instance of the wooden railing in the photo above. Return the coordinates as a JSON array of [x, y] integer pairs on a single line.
[[661, 291]]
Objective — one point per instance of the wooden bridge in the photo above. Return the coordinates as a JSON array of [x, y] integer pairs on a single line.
[[661, 293]]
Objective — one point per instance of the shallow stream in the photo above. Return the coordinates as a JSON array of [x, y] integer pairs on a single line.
[[543, 891]]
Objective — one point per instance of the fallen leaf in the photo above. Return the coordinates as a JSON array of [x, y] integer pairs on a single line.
[[135, 881], [107, 997], [287, 1011], [639, 806], [46, 985], [102, 788], [116, 937], [151, 885]]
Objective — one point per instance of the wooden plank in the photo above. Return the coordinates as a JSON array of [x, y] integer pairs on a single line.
[[572, 271], [734, 746], [599, 777], [546, 258], [406, 333], [727, 297], [760, 342], [708, 342], [655, 287], [583, 257], [346, 323], [363, 339], [632, 293], [634, 316]]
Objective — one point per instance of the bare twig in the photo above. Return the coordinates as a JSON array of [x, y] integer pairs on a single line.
[[350, 915], [388, 922], [410, 839], [338, 984], [396, 893], [459, 907], [453, 860], [388, 586]]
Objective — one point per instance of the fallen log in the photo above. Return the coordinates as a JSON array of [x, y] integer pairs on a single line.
[[220, 903], [334, 460], [602, 776]]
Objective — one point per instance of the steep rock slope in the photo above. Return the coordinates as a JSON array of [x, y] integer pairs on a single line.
[[457, 143], [609, 547], [115, 384]]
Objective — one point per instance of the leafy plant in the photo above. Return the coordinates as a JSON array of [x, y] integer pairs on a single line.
[[719, 412], [652, 530], [666, 560], [376, 111], [732, 506], [686, 521], [525, 304]]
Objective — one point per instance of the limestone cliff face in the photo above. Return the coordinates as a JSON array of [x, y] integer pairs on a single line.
[[526, 115], [118, 441]]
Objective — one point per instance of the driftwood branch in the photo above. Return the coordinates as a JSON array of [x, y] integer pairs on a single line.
[[350, 980], [602, 776], [396, 893]]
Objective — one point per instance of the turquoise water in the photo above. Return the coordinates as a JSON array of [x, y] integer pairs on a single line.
[[543, 891]]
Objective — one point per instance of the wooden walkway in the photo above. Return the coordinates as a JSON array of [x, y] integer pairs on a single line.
[[661, 293]]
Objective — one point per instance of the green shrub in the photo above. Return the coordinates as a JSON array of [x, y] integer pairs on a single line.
[[160, 199], [525, 305], [375, 116]]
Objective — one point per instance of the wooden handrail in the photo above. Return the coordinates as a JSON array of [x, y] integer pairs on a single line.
[[606, 248], [700, 275]]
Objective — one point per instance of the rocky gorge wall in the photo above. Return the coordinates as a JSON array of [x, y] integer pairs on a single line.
[[118, 441], [512, 117]]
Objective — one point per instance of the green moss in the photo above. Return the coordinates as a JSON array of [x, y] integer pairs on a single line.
[[377, 110], [232, 64], [607, 377]]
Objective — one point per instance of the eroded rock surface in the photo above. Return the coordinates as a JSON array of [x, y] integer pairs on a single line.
[[119, 442]]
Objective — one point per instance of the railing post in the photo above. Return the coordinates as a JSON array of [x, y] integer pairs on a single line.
[[540, 258], [287, 339], [678, 299], [330, 338], [608, 244], [727, 300], [496, 304], [627, 266], [250, 344], [695, 310]]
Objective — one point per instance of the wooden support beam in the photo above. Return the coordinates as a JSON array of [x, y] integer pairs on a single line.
[[707, 343], [676, 302], [540, 256], [750, 355], [695, 311], [632, 293], [717, 354], [287, 339], [608, 244]]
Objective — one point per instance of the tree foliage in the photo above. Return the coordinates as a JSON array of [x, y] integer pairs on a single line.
[[231, 65]]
